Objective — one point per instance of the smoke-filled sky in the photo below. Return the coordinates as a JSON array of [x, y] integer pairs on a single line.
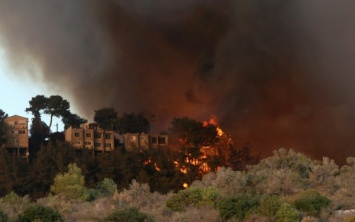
[[277, 73]]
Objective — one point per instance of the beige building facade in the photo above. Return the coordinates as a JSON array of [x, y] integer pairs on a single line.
[[133, 141], [91, 137], [16, 134]]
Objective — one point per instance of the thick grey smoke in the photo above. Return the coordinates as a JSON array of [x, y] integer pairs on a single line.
[[277, 73]]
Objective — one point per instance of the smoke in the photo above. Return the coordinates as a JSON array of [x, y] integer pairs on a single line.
[[276, 73]]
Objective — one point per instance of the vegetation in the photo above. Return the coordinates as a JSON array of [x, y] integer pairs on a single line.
[[39, 213], [224, 195], [64, 184], [130, 214]]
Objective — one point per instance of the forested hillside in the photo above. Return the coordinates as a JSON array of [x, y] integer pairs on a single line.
[[287, 186]]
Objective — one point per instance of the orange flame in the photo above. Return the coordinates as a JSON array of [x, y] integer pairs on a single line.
[[214, 121]]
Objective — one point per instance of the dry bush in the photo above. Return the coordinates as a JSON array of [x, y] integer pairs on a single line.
[[76, 210], [12, 205], [194, 214], [309, 219]]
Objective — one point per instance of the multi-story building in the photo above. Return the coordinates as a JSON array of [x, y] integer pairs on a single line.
[[16, 135], [133, 141], [90, 136]]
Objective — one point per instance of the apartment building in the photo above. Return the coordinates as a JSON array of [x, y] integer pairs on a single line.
[[133, 141], [90, 136], [16, 134]]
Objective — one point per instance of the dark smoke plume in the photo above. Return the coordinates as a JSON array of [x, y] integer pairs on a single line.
[[277, 73]]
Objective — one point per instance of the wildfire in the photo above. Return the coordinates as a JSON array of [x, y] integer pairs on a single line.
[[155, 164], [219, 131], [213, 121]]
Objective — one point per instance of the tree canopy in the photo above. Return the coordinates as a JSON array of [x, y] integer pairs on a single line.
[[133, 123], [192, 133], [55, 106], [105, 117], [3, 116]]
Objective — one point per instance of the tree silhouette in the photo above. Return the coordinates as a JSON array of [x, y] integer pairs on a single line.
[[133, 123], [56, 106], [37, 104], [105, 117], [3, 116]]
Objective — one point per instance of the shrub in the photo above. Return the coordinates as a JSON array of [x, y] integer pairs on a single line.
[[71, 184], [107, 187], [269, 205], [3, 217], [129, 214], [193, 197], [12, 204], [40, 213], [237, 207], [184, 198], [287, 214], [310, 201], [309, 219]]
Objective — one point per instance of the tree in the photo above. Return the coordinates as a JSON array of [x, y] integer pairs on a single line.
[[56, 106], [39, 131], [71, 119], [105, 117], [192, 133], [37, 104], [71, 184], [3, 116], [239, 159], [133, 123]]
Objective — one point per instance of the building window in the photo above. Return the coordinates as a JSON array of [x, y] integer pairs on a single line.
[[133, 138], [108, 145], [87, 134], [97, 144], [154, 140], [142, 138], [161, 140], [97, 135], [107, 136], [88, 143], [78, 142], [76, 134], [22, 132]]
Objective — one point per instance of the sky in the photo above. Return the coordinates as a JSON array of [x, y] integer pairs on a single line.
[[15, 93], [276, 73]]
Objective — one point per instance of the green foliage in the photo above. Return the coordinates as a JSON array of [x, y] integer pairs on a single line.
[[3, 217], [71, 184], [287, 214], [12, 204], [39, 213], [129, 214], [310, 201], [106, 188], [193, 197], [269, 205], [237, 207]]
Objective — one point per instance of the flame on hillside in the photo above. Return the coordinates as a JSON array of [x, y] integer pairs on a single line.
[[214, 121]]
